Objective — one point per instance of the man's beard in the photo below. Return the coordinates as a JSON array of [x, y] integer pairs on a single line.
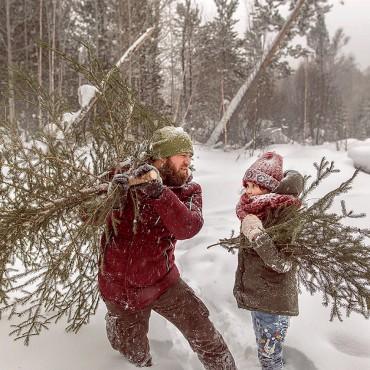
[[170, 176]]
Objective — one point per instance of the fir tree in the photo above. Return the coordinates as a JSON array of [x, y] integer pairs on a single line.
[[364, 119], [221, 65], [186, 30]]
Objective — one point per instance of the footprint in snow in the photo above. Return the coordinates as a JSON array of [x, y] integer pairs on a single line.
[[296, 359], [350, 344]]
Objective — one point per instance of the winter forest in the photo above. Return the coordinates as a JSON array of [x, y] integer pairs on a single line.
[[83, 86]]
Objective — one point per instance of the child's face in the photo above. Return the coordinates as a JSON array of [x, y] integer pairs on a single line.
[[251, 188]]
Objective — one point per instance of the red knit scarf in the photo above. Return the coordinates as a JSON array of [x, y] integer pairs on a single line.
[[263, 205]]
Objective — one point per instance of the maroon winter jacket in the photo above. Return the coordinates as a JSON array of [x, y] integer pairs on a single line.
[[139, 265]]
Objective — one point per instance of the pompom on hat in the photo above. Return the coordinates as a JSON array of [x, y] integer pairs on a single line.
[[266, 171], [168, 141]]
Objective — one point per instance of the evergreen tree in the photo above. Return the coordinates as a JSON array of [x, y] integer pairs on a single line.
[[298, 21], [186, 29], [221, 65], [325, 100], [364, 119], [264, 20]]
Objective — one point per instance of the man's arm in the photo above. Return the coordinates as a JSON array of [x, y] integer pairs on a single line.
[[183, 220]]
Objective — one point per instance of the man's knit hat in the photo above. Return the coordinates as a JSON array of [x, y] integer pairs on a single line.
[[168, 141], [266, 171]]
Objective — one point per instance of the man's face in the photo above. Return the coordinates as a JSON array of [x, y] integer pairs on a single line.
[[174, 170]]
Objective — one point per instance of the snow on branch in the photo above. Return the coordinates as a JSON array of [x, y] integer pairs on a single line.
[[86, 109]]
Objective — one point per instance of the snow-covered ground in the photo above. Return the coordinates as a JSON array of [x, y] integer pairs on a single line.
[[359, 152], [312, 342]]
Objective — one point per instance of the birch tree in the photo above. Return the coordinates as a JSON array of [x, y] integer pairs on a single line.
[[301, 14]]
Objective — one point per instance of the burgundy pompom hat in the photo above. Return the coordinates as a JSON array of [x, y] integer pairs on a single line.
[[266, 171]]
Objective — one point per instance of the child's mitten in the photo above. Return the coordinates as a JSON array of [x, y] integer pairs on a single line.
[[292, 183], [251, 227]]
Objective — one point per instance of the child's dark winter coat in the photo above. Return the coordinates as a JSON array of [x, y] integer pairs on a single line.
[[257, 286]]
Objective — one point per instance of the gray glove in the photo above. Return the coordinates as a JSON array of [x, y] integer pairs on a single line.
[[121, 179], [151, 189]]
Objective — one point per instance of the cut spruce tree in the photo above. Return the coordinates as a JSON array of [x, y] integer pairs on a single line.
[[53, 193], [332, 258]]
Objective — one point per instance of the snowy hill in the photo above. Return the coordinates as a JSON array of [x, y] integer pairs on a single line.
[[312, 341]]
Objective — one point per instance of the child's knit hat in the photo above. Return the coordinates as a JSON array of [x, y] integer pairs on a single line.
[[266, 171], [169, 141]]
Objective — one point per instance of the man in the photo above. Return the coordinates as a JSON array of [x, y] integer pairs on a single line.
[[138, 272]]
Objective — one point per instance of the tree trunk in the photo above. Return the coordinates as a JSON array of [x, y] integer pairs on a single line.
[[11, 98], [97, 22], [172, 60], [52, 54], [188, 111], [40, 62], [255, 75], [305, 106], [129, 41], [26, 123], [25, 28]]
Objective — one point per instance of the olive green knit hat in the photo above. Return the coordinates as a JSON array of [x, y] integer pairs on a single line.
[[168, 141]]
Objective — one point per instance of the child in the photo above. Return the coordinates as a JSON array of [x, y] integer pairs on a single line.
[[265, 280]]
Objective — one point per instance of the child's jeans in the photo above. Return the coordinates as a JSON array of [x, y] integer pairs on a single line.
[[270, 333]]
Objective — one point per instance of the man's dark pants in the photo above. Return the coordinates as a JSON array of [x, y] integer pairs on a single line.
[[127, 330]]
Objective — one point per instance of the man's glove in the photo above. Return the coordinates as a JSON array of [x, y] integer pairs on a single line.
[[121, 179], [251, 227], [151, 189]]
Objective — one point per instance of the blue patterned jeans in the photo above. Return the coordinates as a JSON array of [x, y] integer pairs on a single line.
[[270, 333]]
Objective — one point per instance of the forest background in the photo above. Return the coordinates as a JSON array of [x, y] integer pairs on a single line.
[[191, 67]]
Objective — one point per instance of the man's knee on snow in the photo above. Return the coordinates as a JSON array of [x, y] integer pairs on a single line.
[[125, 344]]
